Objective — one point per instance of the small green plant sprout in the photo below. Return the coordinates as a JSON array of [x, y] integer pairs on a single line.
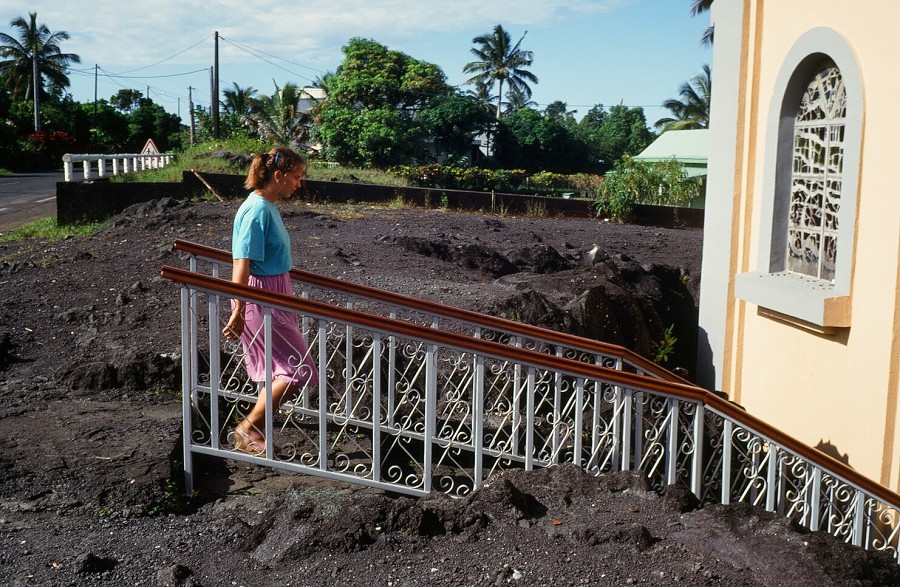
[[663, 348]]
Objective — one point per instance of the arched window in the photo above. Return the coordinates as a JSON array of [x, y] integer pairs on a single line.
[[816, 176], [809, 189]]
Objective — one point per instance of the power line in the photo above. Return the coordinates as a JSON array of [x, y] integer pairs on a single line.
[[256, 53], [168, 58]]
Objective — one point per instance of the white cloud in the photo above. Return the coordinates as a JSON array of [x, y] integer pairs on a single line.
[[140, 32]]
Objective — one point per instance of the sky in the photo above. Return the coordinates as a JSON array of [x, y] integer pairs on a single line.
[[586, 52]]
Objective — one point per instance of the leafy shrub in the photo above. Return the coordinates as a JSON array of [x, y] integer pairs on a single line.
[[644, 182], [502, 180]]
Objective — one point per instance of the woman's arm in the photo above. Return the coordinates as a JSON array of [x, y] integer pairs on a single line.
[[240, 274]]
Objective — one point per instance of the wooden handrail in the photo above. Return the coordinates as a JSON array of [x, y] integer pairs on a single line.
[[631, 380], [484, 320]]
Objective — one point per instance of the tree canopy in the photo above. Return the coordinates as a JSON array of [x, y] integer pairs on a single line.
[[375, 96]]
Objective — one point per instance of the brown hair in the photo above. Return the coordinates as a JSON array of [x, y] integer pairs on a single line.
[[265, 165]]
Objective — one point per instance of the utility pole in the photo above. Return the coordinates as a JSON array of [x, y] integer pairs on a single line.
[[37, 91], [215, 88], [191, 108], [96, 68]]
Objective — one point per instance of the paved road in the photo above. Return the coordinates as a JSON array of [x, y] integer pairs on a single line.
[[26, 197]]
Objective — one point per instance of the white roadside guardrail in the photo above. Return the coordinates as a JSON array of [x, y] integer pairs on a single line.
[[94, 166]]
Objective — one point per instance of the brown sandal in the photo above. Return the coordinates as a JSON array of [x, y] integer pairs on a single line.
[[251, 443]]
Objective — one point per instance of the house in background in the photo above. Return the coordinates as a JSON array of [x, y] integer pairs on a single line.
[[688, 147], [799, 313]]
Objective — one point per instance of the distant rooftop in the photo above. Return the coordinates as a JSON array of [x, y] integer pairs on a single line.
[[690, 147], [314, 93]]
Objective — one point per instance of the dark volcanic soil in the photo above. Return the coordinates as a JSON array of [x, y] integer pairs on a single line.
[[89, 426]]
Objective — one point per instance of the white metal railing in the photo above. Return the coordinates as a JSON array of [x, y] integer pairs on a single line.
[[103, 165], [374, 301], [414, 409]]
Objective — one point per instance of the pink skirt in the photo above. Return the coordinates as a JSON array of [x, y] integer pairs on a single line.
[[291, 360]]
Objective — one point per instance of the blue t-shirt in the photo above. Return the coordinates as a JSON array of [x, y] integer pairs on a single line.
[[260, 235]]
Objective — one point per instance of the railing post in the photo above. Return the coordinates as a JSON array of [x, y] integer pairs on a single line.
[[478, 420], [557, 414], [127, 163], [392, 373], [187, 360], [270, 409], [214, 370], [86, 166], [594, 461], [579, 423], [323, 396], [430, 409], [115, 166], [672, 444], [627, 416], [101, 167], [529, 421], [772, 477], [697, 461], [376, 406], [67, 167], [815, 499], [727, 428], [859, 518]]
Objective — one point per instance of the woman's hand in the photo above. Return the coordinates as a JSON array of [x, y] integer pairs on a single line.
[[240, 274], [235, 325]]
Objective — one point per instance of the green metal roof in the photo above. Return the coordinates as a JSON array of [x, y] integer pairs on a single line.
[[690, 147]]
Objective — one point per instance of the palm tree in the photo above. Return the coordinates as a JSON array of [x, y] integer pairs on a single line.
[[692, 111], [482, 94], [324, 81], [698, 7], [499, 61], [559, 110], [278, 117], [238, 100], [516, 99], [35, 55]]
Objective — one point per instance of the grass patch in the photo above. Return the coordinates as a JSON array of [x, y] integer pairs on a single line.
[[322, 171], [219, 157], [48, 229]]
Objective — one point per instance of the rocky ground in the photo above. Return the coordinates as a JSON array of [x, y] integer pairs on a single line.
[[89, 426]]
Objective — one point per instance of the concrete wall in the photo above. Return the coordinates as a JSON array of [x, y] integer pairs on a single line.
[[94, 201]]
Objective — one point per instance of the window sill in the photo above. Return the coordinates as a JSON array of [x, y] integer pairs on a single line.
[[796, 297]]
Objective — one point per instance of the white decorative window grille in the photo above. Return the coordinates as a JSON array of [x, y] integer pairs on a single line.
[[816, 178]]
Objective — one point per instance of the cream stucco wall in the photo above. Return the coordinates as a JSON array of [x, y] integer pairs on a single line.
[[837, 387]]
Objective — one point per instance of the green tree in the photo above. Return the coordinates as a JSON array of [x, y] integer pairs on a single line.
[[559, 110], [102, 128], [642, 182], [238, 105], [126, 100], [35, 55], [535, 142], [452, 121], [279, 118], [501, 62], [151, 121], [516, 99], [692, 111], [611, 134], [239, 101], [374, 99], [481, 92]]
